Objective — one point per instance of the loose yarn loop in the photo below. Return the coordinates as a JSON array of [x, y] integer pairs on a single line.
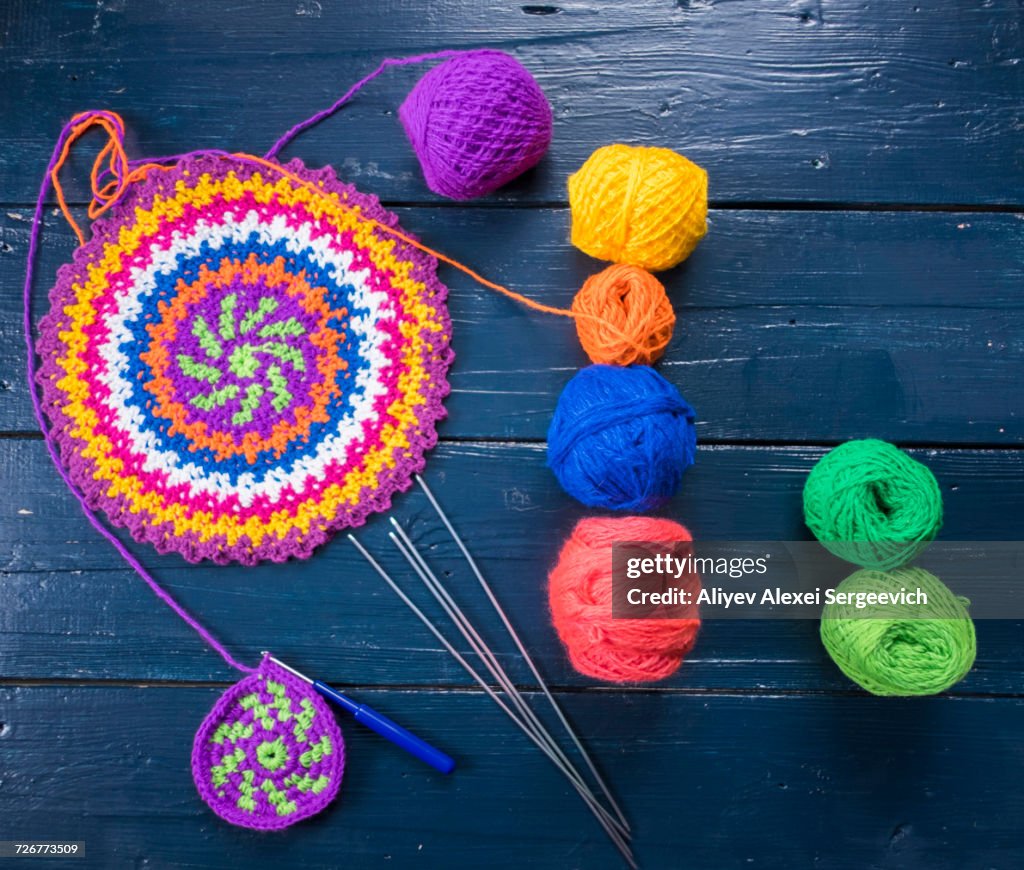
[[634, 302], [621, 438], [618, 650], [870, 503], [901, 650], [638, 205], [269, 753], [476, 122]]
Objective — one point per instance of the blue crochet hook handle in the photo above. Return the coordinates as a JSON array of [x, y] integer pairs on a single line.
[[381, 724]]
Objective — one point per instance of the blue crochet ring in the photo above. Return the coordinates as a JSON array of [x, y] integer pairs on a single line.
[[621, 438]]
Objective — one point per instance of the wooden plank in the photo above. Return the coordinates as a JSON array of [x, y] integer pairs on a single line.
[[708, 781], [908, 326], [72, 610], [844, 101]]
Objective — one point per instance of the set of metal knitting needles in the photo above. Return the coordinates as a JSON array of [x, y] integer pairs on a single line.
[[505, 693]]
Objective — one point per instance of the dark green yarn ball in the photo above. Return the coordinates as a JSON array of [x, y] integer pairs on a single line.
[[871, 504], [900, 649]]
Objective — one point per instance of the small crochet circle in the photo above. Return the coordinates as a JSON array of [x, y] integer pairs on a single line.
[[580, 595], [870, 503], [476, 122], [269, 753], [638, 205], [621, 438], [624, 316], [237, 364], [900, 649]]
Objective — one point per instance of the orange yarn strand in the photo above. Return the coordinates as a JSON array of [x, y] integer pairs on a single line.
[[610, 336], [398, 234], [114, 148]]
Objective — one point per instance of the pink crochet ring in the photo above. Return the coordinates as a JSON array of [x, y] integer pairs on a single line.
[[238, 362]]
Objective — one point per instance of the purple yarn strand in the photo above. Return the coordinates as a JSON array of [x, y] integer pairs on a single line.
[[94, 521], [385, 64]]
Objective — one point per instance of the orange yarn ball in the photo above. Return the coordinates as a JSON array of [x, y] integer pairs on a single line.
[[580, 595], [639, 205], [626, 316]]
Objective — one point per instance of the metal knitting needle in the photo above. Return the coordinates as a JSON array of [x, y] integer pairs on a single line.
[[378, 722], [472, 637], [599, 811], [616, 838], [522, 651]]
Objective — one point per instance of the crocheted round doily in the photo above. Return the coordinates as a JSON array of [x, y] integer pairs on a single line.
[[235, 366], [269, 753]]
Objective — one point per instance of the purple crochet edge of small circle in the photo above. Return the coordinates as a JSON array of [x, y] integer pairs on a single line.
[[307, 803]]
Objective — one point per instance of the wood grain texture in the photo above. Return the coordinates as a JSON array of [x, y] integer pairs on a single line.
[[793, 326], [862, 276], [76, 612], [824, 100], [710, 781]]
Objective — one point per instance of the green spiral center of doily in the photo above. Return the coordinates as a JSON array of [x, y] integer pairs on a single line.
[[245, 361]]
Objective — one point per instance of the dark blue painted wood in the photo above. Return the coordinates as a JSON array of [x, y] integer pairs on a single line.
[[334, 616], [804, 324], [830, 100], [793, 326], [774, 782]]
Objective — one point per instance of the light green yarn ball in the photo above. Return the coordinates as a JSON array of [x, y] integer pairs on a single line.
[[900, 649], [871, 504]]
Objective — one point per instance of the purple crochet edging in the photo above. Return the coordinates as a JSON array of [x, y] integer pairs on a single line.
[[143, 526], [301, 754]]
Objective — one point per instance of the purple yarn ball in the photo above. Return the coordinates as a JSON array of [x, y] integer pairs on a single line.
[[476, 122]]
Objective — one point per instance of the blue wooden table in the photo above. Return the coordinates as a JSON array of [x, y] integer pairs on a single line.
[[863, 275]]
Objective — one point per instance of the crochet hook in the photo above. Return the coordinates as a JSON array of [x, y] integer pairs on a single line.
[[379, 723]]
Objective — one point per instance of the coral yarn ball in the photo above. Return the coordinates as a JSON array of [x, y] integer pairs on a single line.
[[870, 503], [476, 122], [903, 650], [638, 205], [623, 316], [621, 438], [618, 650]]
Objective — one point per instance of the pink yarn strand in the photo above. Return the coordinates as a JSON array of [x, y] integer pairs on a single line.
[[94, 521], [385, 64]]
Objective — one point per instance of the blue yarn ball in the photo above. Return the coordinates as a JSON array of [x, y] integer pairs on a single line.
[[621, 438]]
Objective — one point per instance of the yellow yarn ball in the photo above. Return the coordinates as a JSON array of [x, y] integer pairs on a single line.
[[644, 206]]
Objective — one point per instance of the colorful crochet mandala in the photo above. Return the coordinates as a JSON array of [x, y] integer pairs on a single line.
[[269, 753], [238, 364]]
